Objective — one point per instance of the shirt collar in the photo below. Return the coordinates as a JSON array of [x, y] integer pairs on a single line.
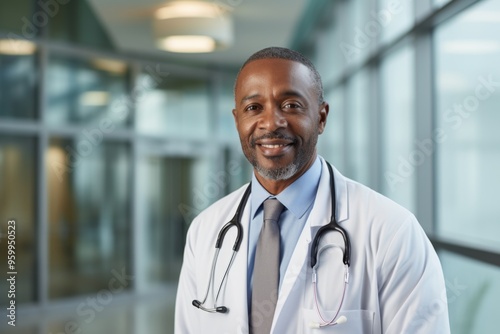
[[297, 197]]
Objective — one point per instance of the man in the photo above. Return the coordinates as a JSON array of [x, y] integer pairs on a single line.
[[395, 282]]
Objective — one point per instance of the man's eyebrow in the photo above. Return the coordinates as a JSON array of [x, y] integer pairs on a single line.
[[287, 93], [249, 97], [292, 93]]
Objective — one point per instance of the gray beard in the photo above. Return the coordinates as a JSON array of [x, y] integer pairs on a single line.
[[278, 174]]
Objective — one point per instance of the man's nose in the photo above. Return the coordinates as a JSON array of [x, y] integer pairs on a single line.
[[272, 119]]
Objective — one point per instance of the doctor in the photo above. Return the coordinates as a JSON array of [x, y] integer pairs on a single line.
[[394, 282]]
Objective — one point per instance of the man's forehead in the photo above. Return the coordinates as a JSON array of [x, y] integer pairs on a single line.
[[268, 67]]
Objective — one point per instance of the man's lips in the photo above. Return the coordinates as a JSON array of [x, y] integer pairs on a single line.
[[274, 147]]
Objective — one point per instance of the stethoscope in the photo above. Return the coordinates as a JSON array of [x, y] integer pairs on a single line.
[[333, 226]]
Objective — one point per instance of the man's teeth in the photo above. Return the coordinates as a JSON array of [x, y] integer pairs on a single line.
[[273, 146]]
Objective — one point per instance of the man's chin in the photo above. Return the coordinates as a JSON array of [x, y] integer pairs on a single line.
[[277, 173]]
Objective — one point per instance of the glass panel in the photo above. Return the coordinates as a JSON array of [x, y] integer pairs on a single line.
[[17, 203], [17, 80], [398, 124], [472, 289], [394, 18], [227, 129], [90, 92], [76, 22], [165, 201], [89, 216], [360, 34], [358, 127], [331, 53], [176, 107], [331, 142], [357, 39], [16, 17], [468, 96]]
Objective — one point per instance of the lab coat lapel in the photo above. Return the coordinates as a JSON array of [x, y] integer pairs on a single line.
[[295, 276], [238, 295]]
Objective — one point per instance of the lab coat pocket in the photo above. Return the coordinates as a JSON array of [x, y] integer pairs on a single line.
[[358, 322]]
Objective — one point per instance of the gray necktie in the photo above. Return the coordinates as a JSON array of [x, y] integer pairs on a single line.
[[266, 270]]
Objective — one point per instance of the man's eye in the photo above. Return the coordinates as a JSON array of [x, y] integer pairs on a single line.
[[251, 107], [291, 106]]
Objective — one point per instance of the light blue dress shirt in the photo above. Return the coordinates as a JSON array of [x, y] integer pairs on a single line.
[[298, 199]]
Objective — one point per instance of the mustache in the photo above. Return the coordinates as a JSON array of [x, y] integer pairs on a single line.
[[272, 135]]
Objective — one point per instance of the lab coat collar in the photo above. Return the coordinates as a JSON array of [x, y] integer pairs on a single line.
[[324, 196]]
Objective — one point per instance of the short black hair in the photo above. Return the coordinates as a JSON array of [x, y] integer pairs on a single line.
[[275, 52]]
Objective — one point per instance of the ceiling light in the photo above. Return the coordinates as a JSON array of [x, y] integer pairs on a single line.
[[187, 44], [94, 99], [16, 47], [188, 9], [193, 26]]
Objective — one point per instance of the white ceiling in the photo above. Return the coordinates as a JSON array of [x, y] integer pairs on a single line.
[[257, 24]]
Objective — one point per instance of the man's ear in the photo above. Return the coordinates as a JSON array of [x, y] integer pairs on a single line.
[[235, 118], [323, 115]]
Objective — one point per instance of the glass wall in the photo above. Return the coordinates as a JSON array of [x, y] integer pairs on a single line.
[[81, 91], [420, 117], [399, 159], [17, 81], [467, 50], [104, 162], [89, 214], [17, 204]]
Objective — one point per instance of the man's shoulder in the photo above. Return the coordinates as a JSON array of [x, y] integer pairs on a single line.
[[378, 208]]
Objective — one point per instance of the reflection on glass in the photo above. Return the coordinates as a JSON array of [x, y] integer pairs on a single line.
[[87, 92], [331, 142], [89, 215], [472, 290], [467, 100], [174, 107], [398, 126], [17, 202], [166, 210], [358, 113], [17, 82]]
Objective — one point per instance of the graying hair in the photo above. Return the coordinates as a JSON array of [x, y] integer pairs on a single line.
[[275, 52]]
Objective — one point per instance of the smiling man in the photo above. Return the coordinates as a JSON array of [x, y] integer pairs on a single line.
[[295, 258]]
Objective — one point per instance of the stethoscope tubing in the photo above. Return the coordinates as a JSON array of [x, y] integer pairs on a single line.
[[236, 222]]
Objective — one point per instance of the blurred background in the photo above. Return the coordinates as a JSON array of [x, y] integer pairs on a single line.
[[116, 130]]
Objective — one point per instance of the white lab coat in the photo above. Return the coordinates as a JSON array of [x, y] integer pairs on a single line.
[[396, 283]]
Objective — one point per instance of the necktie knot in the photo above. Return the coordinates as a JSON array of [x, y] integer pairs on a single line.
[[272, 209]]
